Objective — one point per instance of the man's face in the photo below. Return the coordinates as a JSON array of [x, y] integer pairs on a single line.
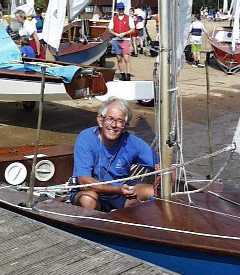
[[19, 18], [121, 11], [112, 124]]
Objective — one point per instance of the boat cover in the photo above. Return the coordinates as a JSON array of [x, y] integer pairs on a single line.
[[10, 59]]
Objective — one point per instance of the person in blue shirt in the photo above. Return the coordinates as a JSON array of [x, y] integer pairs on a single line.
[[107, 152], [38, 20], [25, 49]]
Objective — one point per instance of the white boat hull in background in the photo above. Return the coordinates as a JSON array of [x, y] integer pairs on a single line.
[[19, 90], [129, 90]]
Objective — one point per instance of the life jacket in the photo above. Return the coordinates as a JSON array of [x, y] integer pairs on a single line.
[[120, 26]]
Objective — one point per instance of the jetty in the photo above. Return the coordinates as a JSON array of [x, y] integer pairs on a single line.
[[30, 247]]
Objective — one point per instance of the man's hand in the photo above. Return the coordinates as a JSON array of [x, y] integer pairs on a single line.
[[128, 191]]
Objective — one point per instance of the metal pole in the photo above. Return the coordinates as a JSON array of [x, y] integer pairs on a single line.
[[209, 122], [39, 125], [113, 7], [166, 151]]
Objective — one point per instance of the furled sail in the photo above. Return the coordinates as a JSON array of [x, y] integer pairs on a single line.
[[225, 6], [54, 23], [28, 8], [184, 18], [75, 7], [236, 18]]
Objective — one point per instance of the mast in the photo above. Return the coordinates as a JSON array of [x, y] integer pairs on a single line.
[[165, 149]]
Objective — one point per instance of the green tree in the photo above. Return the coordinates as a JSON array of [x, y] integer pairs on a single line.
[[197, 4]]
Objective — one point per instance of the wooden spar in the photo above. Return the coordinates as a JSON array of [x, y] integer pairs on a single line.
[[209, 121], [165, 150], [40, 112]]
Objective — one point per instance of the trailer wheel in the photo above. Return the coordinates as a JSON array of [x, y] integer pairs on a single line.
[[28, 106]]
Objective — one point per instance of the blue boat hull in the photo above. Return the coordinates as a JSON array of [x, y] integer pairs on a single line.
[[178, 260], [87, 56]]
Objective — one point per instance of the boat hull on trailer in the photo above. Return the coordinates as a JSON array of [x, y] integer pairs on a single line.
[[82, 54], [25, 86], [227, 59]]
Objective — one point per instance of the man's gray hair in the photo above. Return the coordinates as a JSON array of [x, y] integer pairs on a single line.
[[123, 106], [21, 13]]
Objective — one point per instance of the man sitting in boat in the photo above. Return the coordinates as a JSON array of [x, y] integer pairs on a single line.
[[107, 152]]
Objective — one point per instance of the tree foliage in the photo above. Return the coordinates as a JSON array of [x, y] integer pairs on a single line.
[[213, 4]]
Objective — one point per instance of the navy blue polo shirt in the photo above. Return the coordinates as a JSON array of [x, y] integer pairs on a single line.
[[93, 158]]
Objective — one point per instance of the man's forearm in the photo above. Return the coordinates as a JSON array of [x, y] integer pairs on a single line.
[[105, 188], [113, 33]]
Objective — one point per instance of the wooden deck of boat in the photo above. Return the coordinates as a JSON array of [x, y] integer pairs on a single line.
[[160, 214], [30, 247]]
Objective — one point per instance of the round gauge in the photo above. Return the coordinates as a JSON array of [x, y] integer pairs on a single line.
[[16, 173], [44, 170]]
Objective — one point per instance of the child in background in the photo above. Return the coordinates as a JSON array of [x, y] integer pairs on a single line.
[[197, 30], [26, 49]]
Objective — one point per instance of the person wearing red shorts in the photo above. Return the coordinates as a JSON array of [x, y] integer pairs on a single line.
[[29, 30], [121, 27]]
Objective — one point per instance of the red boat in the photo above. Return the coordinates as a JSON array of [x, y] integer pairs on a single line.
[[221, 42]]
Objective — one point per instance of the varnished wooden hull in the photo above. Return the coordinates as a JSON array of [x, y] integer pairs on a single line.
[[83, 53], [25, 86], [203, 238]]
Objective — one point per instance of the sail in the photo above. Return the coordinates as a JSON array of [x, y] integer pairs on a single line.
[[225, 6], [13, 7], [28, 8], [75, 7], [235, 32], [54, 23], [184, 19]]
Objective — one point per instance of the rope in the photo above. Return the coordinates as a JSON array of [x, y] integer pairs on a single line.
[[138, 225], [210, 182], [160, 171]]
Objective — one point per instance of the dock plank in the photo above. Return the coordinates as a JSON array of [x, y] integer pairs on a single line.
[[30, 247]]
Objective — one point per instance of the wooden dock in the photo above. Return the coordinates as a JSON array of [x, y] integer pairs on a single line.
[[30, 247]]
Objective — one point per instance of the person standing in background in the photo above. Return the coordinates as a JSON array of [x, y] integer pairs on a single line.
[[197, 30], [141, 17], [38, 20], [121, 27], [26, 49], [28, 30], [134, 35]]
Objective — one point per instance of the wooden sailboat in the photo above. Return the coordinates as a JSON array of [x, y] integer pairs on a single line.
[[202, 237], [22, 84], [225, 42], [80, 41], [86, 51], [227, 58]]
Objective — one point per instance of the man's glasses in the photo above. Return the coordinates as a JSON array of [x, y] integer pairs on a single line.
[[109, 121]]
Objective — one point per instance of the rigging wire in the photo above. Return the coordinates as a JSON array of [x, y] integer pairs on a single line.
[[168, 170]]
